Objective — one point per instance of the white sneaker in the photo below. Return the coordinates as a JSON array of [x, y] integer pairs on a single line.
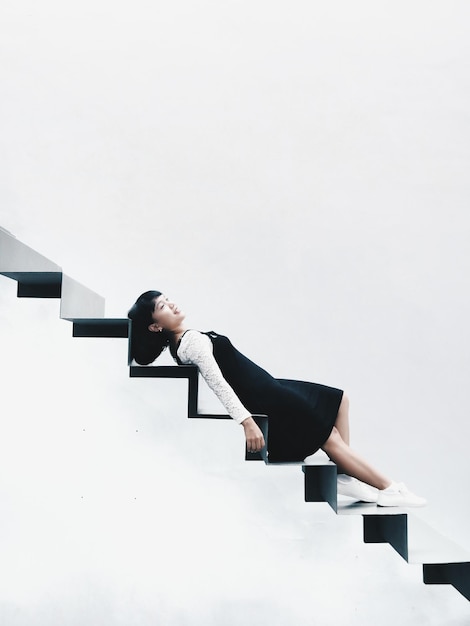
[[399, 495], [357, 490]]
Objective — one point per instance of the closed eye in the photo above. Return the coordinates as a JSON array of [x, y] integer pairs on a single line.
[[162, 303]]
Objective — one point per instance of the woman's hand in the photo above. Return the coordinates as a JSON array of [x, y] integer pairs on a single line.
[[254, 436]]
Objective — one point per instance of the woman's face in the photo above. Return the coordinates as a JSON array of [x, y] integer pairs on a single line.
[[166, 315]]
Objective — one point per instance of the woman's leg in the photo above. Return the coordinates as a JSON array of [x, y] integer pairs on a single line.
[[342, 419], [342, 424], [351, 463]]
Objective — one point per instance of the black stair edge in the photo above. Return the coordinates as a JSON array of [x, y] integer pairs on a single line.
[[455, 574], [392, 529], [163, 371], [37, 284], [104, 327], [39, 290], [320, 483]]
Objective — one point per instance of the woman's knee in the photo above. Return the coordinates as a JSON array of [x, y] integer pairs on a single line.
[[344, 404], [333, 440]]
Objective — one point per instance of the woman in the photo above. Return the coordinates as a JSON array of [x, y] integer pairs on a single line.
[[303, 417]]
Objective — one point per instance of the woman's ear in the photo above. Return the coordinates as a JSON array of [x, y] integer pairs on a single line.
[[154, 328]]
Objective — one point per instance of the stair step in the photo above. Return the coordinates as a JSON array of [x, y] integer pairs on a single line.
[[19, 261], [320, 482], [425, 540], [37, 284], [443, 561], [190, 372], [38, 277], [381, 522], [78, 301], [353, 507], [101, 327], [428, 545], [162, 371], [455, 574]]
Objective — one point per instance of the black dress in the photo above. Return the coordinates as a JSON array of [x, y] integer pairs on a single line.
[[301, 414]]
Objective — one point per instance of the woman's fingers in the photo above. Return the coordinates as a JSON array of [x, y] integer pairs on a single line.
[[255, 444], [254, 436]]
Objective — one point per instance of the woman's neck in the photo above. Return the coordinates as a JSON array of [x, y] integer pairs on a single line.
[[178, 333]]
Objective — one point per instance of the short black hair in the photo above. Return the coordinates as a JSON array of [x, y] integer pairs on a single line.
[[145, 345]]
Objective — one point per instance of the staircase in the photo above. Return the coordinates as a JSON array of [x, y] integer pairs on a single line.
[[37, 277], [443, 561]]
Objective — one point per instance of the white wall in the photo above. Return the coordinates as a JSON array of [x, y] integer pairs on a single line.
[[294, 174]]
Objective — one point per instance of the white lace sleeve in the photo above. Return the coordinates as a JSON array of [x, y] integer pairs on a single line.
[[196, 349]]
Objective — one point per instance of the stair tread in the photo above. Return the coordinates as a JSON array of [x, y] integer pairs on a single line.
[[17, 258], [427, 545], [101, 321], [353, 507]]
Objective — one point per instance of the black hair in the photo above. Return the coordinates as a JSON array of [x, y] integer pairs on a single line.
[[145, 345]]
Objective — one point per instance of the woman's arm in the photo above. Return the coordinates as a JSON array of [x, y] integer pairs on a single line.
[[196, 348], [253, 435]]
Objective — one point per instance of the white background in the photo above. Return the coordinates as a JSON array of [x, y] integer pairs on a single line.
[[295, 175]]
